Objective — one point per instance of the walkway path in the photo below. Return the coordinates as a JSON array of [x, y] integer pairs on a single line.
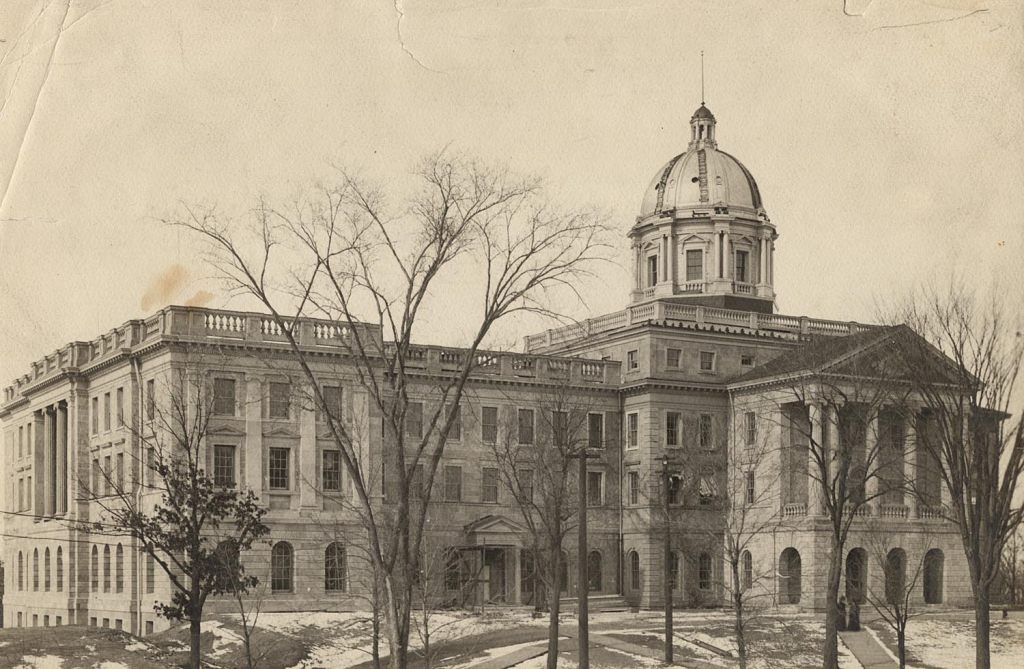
[[868, 651]]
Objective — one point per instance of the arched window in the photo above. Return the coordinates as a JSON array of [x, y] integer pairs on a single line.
[[594, 570], [334, 567], [933, 566], [673, 569], [35, 569], [704, 571], [119, 569], [60, 569], [747, 570], [634, 571], [106, 568], [856, 575], [790, 576], [95, 569], [281, 564], [46, 569], [895, 576], [21, 571]]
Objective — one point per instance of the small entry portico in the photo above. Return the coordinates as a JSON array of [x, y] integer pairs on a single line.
[[498, 544]]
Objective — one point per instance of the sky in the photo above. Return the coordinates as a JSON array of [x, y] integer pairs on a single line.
[[885, 135]]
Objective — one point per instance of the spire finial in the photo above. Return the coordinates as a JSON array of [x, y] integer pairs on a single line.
[[702, 76]]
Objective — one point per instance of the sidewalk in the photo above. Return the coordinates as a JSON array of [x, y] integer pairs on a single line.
[[867, 650]]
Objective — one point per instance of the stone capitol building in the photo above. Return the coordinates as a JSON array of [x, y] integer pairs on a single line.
[[697, 368]]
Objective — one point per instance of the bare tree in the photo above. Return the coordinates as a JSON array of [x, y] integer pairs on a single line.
[[196, 528], [1010, 570], [341, 255], [894, 596], [752, 508], [965, 367], [248, 598], [538, 468]]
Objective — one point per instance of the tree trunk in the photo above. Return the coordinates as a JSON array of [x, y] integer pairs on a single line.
[[982, 632], [901, 646], [194, 631], [376, 638], [737, 605], [831, 650], [554, 593]]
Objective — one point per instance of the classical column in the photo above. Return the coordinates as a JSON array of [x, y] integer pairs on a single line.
[[516, 595], [664, 258], [726, 257], [62, 457], [45, 478], [672, 251], [872, 467], [307, 458], [910, 464], [717, 242], [815, 506]]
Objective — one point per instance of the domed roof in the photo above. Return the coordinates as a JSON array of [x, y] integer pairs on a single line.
[[702, 176]]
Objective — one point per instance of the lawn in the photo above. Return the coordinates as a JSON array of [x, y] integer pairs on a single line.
[[948, 643]]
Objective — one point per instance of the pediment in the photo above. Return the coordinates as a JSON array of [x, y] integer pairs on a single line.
[[280, 431], [494, 525], [226, 430]]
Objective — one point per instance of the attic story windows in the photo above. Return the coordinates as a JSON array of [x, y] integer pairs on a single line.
[[652, 270]]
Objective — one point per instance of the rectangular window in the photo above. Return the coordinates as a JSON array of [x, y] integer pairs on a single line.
[[751, 428], [106, 412], [707, 361], [707, 435], [149, 627], [673, 356], [704, 572], [150, 399], [695, 265], [120, 406], [747, 360], [452, 483], [278, 468], [632, 360], [119, 469], [489, 424], [414, 419], [416, 483], [224, 465], [96, 477], [560, 427], [21, 494], [150, 574], [455, 432], [108, 474], [708, 487], [632, 430], [741, 266], [652, 270], [672, 423], [332, 471], [595, 430], [526, 485], [280, 399], [750, 487], [333, 402], [526, 426], [490, 484], [95, 415], [675, 489], [21, 439], [595, 488], [633, 487], [29, 503], [224, 397]]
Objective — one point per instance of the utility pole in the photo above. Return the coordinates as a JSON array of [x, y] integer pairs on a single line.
[[668, 560], [583, 586]]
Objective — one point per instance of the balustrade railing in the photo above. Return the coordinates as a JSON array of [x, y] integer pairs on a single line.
[[893, 511], [791, 510]]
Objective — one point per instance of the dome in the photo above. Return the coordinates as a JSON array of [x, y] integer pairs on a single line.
[[702, 177]]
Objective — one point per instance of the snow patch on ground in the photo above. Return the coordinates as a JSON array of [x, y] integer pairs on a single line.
[[636, 660], [113, 665], [949, 643], [223, 638], [40, 662], [134, 647], [542, 663]]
